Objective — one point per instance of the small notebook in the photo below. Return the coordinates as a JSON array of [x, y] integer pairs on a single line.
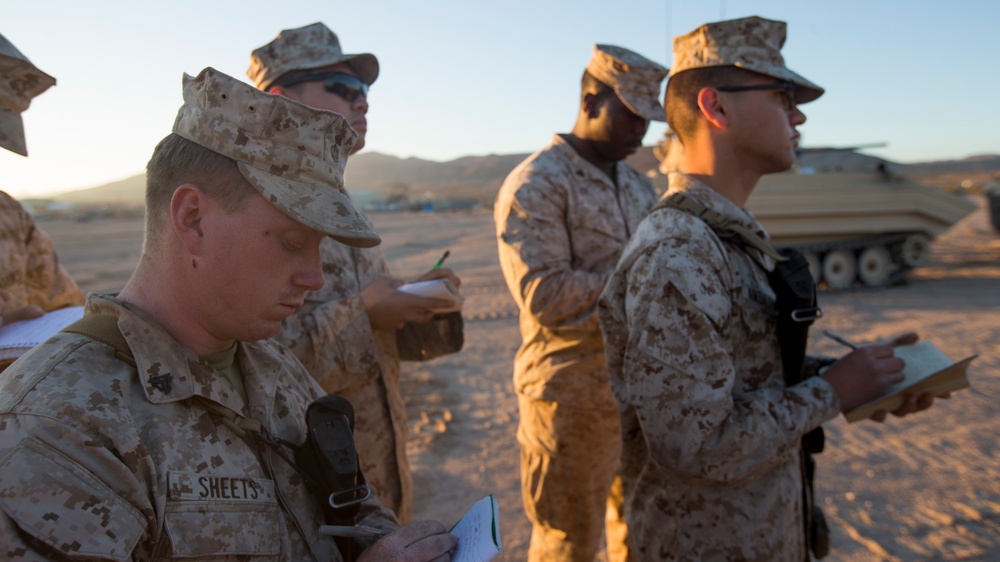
[[927, 370], [17, 338], [437, 289], [478, 532]]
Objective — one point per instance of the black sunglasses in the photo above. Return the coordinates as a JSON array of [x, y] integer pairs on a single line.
[[789, 88], [344, 85]]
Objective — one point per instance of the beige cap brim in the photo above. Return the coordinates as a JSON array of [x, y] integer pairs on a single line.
[[12, 132], [644, 106], [319, 207], [805, 92]]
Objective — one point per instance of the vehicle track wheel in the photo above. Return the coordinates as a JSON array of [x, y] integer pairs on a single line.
[[874, 266], [814, 265], [916, 250], [839, 269]]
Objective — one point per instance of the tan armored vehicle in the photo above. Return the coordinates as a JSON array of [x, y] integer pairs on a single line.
[[856, 227], [856, 221]]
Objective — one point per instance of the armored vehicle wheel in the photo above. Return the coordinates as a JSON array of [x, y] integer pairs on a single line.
[[814, 265], [874, 266], [916, 250], [839, 269]]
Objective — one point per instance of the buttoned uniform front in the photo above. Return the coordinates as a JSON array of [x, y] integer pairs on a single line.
[[332, 336], [30, 272], [711, 435], [102, 459], [561, 225]]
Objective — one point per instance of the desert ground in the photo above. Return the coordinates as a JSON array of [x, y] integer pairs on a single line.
[[920, 488]]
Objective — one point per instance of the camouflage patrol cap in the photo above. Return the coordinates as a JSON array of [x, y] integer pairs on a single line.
[[635, 79], [294, 155], [305, 48], [752, 43], [20, 81]]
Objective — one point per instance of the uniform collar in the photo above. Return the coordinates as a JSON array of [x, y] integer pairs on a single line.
[[582, 166], [715, 201], [168, 370]]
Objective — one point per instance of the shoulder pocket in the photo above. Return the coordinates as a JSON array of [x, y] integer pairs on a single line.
[[60, 503]]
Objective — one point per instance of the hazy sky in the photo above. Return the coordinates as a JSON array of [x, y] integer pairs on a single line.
[[464, 77]]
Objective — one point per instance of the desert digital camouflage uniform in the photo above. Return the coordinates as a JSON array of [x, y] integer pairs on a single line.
[[29, 271], [561, 225], [333, 337], [103, 459], [331, 334], [711, 435]]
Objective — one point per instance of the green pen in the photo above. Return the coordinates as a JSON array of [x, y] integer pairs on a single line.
[[441, 261]]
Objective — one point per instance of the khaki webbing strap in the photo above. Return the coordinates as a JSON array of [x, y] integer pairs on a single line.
[[103, 328], [716, 221], [244, 424]]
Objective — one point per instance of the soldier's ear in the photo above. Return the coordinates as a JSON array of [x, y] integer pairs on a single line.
[[187, 210], [711, 108], [591, 105]]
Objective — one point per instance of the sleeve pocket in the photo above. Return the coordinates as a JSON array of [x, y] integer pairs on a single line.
[[62, 504]]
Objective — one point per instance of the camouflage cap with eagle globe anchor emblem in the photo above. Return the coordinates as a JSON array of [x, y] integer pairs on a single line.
[[751, 43], [292, 154], [634, 78]]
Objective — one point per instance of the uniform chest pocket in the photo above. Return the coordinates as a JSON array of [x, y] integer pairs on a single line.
[[216, 517], [220, 529]]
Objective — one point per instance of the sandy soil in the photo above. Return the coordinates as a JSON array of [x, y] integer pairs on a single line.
[[922, 488]]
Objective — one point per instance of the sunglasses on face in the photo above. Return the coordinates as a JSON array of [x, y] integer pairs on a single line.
[[787, 94], [344, 85]]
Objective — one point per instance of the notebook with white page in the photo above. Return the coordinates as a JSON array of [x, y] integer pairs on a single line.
[[437, 289], [478, 532], [19, 337]]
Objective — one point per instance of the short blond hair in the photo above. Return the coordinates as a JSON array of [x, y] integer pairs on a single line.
[[177, 161]]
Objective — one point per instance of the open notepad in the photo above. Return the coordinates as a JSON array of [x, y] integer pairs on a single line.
[[927, 370], [19, 337], [478, 532], [436, 289]]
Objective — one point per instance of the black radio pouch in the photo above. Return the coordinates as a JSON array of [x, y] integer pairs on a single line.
[[329, 464], [795, 292]]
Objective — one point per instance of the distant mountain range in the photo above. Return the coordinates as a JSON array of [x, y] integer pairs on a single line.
[[478, 178]]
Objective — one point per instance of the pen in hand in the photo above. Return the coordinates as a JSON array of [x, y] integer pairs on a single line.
[[441, 261], [839, 339]]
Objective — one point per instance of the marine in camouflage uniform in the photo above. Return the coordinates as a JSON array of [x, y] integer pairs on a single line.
[[711, 433], [143, 441], [562, 218], [333, 334], [102, 459], [30, 273]]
